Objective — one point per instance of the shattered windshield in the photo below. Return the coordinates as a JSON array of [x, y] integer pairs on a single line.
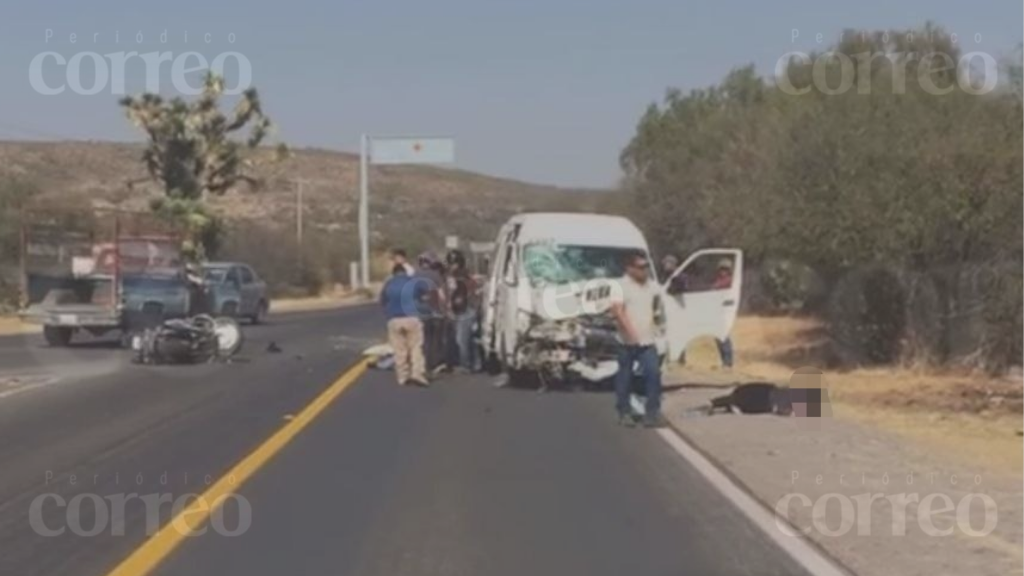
[[547, 263]]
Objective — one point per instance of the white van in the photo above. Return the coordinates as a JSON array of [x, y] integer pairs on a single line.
[[551, 283]]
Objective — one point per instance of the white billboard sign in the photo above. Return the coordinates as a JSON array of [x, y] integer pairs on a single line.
[[411, 150]]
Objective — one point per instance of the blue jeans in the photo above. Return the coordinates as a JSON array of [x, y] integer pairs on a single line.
[[725, 351], [650, 371], [465, 323]]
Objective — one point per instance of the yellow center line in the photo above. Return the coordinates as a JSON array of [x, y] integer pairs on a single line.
[[156, 549]]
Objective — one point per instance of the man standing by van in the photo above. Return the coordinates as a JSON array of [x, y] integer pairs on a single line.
[[636, 307], [400, 298], [723, 281], [463, 296], [432, 310]]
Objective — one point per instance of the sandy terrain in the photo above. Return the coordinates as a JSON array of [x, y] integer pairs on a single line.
[[14, 325], [975, 417]]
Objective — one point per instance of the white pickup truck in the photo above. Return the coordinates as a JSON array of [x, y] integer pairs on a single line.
[[551, 283]]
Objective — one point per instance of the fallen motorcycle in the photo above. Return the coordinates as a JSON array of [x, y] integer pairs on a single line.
[[194, 340]]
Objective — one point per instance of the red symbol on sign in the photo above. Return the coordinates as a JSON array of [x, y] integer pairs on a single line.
[[417, 147]]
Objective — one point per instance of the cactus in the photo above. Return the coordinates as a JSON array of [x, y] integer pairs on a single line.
[[193, 150]]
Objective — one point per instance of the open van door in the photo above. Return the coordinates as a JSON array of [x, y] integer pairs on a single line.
[[702, 297]]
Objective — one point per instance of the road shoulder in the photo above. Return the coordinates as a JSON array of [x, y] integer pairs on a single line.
[[824, 468]]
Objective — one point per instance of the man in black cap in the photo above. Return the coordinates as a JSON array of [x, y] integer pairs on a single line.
[[463, 303]]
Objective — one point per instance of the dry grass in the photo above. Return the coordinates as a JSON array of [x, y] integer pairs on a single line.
[[13, 325], [973, 415]]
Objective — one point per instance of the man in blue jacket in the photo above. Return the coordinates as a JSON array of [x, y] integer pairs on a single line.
[[400, 298]]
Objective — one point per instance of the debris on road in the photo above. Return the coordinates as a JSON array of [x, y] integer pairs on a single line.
[[382, 356]]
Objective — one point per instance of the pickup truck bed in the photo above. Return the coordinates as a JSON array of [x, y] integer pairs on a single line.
[[73, 315]]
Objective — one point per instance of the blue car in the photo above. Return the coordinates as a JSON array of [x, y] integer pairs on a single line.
[[233, 289]]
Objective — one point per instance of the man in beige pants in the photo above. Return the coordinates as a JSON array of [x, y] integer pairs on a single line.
[[400, 296]]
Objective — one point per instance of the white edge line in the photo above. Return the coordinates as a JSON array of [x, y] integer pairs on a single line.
[[802, 552]]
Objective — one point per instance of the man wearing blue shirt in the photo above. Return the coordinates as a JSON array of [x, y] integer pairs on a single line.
[[400, 298]]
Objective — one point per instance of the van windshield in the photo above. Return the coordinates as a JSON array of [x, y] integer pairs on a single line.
[[547, 263]]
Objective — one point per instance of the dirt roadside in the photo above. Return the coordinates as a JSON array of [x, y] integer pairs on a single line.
[[10, 325], [318, 302], [912, 475], [971, 417], [841, 483]]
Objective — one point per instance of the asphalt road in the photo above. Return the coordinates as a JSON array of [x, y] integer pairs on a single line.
[[461, 478]]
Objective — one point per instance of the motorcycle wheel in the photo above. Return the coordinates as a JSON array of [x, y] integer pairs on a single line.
[[229, 335]]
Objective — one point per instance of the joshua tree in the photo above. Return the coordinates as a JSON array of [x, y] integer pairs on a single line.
[[192, 152]]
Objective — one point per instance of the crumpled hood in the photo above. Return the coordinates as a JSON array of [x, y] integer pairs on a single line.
[[572, 300]]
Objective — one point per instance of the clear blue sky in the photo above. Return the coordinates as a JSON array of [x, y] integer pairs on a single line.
[[547, 91]]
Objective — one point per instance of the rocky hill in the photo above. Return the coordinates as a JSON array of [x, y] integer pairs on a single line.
[[412, 206], [98, 172]]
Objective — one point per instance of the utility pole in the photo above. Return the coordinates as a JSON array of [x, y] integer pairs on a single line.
[[393, 150], [364, 211], [299, 210]]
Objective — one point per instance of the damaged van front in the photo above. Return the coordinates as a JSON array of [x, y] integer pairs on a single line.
[[565, 328], [552, 284]]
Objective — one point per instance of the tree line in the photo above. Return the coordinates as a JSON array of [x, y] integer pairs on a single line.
[[893, 206]]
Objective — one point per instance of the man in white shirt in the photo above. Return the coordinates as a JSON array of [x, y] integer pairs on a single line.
[[636, 308], [400, 258]]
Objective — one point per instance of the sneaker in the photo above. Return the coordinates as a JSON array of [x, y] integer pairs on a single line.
[[655, 421], [627, 420], [419, 383]]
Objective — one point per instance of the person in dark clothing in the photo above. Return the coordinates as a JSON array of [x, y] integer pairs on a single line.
[[463, 299], [445, 335], [432, 308]]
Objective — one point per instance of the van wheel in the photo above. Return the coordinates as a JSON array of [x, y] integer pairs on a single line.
[[57, 336]]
